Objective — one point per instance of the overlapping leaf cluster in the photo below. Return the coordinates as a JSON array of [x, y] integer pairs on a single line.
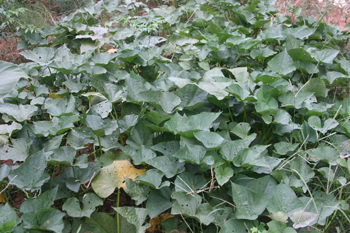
[[225, 104]]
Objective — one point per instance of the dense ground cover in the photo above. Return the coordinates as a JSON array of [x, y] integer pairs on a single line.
[[212, 116]]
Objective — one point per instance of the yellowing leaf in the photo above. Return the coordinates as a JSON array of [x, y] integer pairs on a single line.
[[112, 177], [55, 96], [112, 50], [2, 198], [157, 220]]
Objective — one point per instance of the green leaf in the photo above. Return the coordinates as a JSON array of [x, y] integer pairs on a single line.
[[301, 168], [18, 151], [301, 32], [78, 176], [53, 144], [252, 157], [63, 155], [18, 112], [325, 55], [44, 201], [45, 219], [156, 117], [165, 101], [57, 107], [9, 129], [204, 65], [273, 33], [265, 101], [193, 154], [192, 96], [91, 69], [81, 226], [249, 204], [205, 214], [135, 216], [4, 171], [185, 204], [103, 108], [282, 148], [189, 183], [100, 126], [31, 175], [43, 128], [223, 174], [261, 53], [138, 192], [65, 68], [302, 219], [90, 202], [230, 149], [167, 148], [241, 74], [169, 165], [158, 201], [279, 227], [9, 76], [139, 154], [325, 153], [264, 185], [114, 93], [185, 126], [127, 122], [291, 100], [239, 92], [317, 86], [40, 55], [334, 77], [292, 43], [209, 139], [135, 85], [7, 214], [282, 63], [284, 200], [140, 135], [103, 58], [79, 137], [241, 130], [8, 227], [267, 77], [315, 123], [103, 221], [152, 178], [216, 89], [325, 204], [235, 226]]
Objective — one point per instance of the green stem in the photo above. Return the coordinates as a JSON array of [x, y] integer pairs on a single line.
[[118, 226], [115, 113], [121, 139], [245, 113], [73, 172], [99, 143], [53, 173], [229, 110]]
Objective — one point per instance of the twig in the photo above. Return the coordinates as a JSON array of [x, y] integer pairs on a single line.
[[8, 184]]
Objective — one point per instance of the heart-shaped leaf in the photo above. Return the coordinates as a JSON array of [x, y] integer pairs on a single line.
[[90, 202], [112, 177], [249, 204], [9, 76]]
